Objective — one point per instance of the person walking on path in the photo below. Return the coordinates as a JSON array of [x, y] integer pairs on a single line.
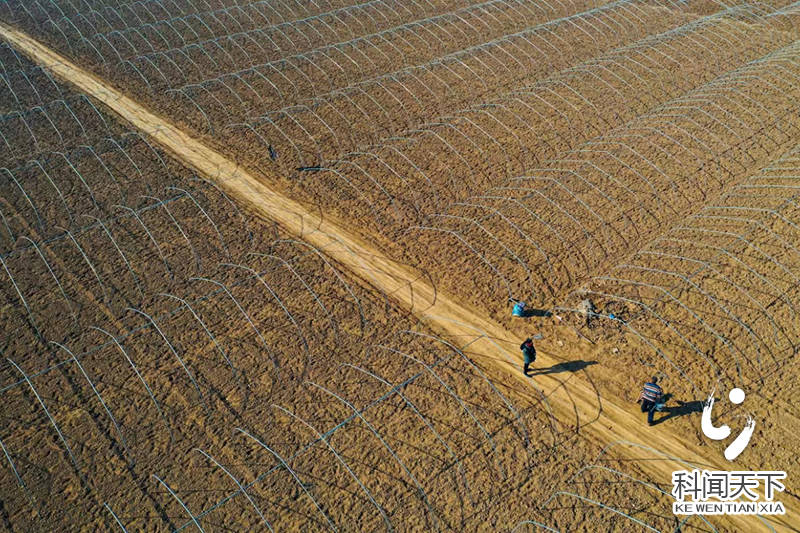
[[529, 354], [651, 396]]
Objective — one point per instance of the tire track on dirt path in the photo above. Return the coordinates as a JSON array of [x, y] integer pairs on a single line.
[[601, 420]]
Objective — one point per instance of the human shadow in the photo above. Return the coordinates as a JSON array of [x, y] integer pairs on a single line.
[[567, 366], [682, 409], [529, 312]]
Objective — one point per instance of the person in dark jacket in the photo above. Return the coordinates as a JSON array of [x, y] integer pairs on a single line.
[[529, 353], [650, 396]]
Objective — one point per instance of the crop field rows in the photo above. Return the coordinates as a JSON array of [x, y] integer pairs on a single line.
[[173, 361]]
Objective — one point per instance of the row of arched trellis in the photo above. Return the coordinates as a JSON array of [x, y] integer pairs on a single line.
[[416, 69], [716, 296], [167, 361], [495, 141], [395, 108], [378, 169], [557, 225], [115, 14], [239, 75], [543, 121], [596, 167], [121, 33], [609, 193]]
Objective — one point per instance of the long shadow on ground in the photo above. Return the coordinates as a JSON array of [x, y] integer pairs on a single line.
[[682, 409], [567, 366]]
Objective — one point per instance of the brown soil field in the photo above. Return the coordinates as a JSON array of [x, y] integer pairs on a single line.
[[654, 164], [256, 261], [212, 357]]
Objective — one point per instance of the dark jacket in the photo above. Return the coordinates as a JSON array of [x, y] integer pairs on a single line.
[[528, 350]]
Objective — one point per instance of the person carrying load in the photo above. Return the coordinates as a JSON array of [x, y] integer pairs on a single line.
[[519, 309]]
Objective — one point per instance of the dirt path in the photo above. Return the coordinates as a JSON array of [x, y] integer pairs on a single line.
[[603, 421]]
